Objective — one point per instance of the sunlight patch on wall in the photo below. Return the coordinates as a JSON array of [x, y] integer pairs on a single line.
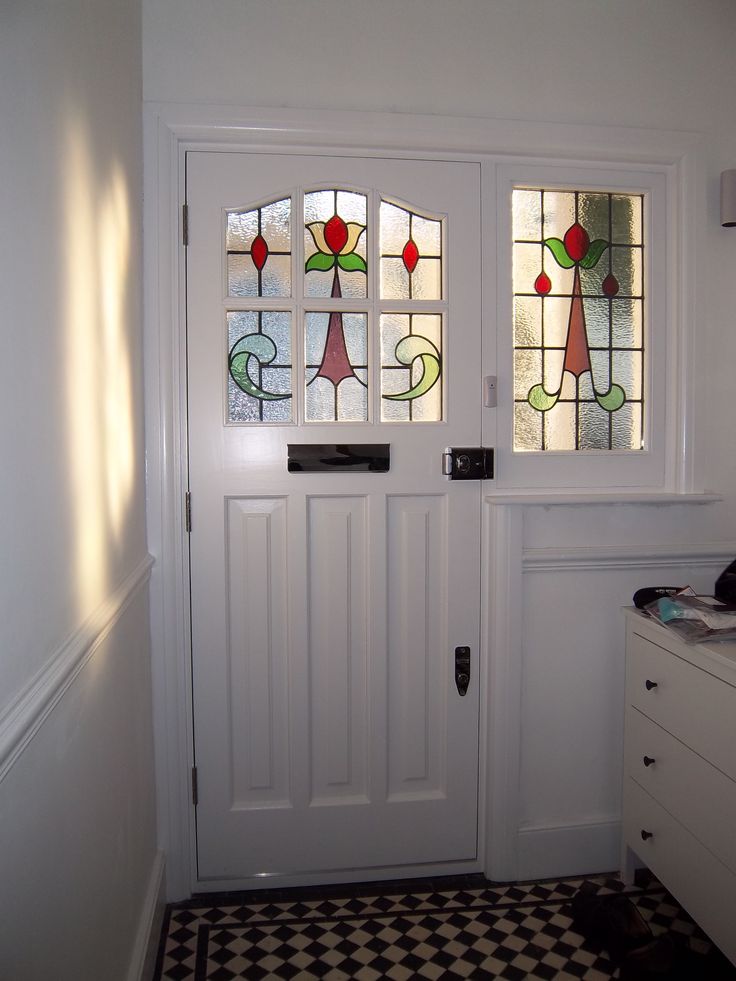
[[97, 371]]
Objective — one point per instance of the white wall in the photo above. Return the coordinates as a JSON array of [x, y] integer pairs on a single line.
[[664, 64], [77, 836]]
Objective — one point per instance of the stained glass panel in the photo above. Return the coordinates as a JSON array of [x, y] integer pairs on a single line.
[[259, 366], [332, 357], [411, 254], [411, 367], [258, 244], [578, 280], [335, 257], [336, 366]]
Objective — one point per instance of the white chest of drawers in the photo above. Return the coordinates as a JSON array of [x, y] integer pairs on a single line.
[[679, 792]]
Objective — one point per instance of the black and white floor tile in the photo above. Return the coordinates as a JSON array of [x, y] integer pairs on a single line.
[[432, 929]]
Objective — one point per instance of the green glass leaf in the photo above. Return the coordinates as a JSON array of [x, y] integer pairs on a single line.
[[541, 400], [320, 261], [408, 350], [351, 262], [257, 348], [612, 400], [595, 251], [557, 247]]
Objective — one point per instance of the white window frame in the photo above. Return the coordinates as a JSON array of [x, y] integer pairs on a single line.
[[652, 467]]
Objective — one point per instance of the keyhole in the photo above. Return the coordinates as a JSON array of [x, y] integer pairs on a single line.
[[463, 463]]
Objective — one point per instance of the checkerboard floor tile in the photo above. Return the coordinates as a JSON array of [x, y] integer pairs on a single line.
[[476, 930]]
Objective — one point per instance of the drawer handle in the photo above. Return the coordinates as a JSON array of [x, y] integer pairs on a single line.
[[650, 684], [646, 834], [648, 760]]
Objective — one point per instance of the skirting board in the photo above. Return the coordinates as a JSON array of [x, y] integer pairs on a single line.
[[566, 850], [145, 949]]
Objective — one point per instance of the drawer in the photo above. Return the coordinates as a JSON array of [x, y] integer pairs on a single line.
[[701, 797], [702, 884], [694, 706]]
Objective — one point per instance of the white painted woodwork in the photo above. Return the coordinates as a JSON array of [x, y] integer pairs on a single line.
[[686, 799], [257, 637], [329, 734], [338, 649]]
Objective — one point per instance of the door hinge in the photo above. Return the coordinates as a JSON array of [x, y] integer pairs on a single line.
[[195, 789], [185, 224], [188, 511]]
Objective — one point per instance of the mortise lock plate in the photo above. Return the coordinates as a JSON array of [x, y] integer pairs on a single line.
[[468, 463], [462, 669]]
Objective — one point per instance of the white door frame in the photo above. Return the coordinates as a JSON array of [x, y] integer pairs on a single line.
[[171, 129]]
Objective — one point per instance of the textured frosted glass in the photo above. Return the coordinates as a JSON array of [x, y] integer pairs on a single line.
[[560, 427], [627, 268], [276, 225], [242, 228], [242, 276], [527, 371], [556, 319], [424, 284], [527, 266], [411, 254], [597, 313], [394, 229], [601, 367], [427, 233], [527, 427], [353, 285], [626, 217], [260, 372], [394, 279], [559, 212], [594, 423], [276, 276], [347, 403], [352, 399], [426, 281], [411, 346], [527, 321], [627, 428], [552, 373], [527, 215], [627, 372], [628, 323], [258, 243], [585, 386], [593, 214]]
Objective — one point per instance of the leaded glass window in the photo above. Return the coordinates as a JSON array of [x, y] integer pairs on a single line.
[[259, 250], [322, 323], [579, 331]]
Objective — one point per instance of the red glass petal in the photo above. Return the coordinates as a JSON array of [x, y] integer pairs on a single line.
[[610, 285], [410, 255], [577, 352], [336, 234], [577, 242], [542, 284], [259, 252], [335, 363]]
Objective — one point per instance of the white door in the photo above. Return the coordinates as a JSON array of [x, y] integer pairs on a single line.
[[333, 301]]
